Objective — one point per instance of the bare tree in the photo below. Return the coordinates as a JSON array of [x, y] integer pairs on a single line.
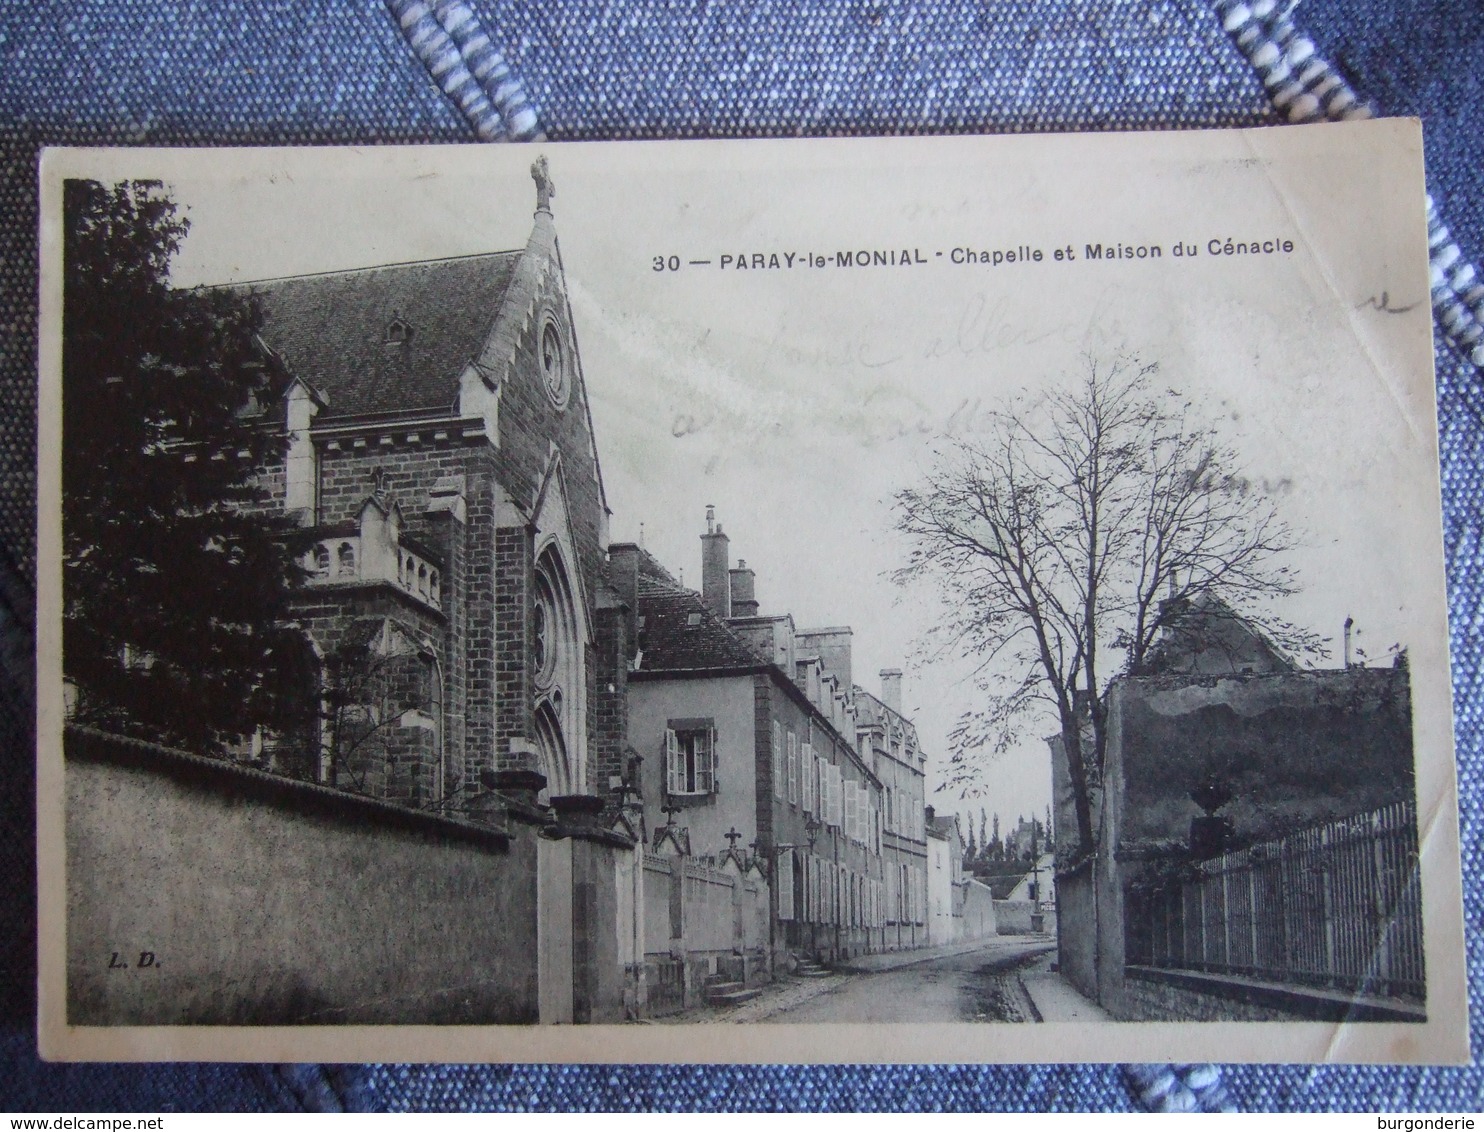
[[1063, 537]]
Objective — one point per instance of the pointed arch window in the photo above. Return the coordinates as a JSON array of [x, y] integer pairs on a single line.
[[556, 665]]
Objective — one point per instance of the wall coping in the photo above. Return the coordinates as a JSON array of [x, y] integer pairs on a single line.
[[561, 831], [1314, 1003], [88, 744]]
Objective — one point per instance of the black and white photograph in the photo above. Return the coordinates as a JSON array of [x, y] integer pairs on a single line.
[[953, 599]]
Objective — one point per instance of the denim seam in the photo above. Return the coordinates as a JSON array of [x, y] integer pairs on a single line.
[[462, 60]]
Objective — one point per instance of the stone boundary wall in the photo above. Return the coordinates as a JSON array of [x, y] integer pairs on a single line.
[[978, 917], [702, 925], [203, 893], [1076, 929]]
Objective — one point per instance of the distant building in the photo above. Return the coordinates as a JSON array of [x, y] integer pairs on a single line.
[[945, 878], [901, 764]]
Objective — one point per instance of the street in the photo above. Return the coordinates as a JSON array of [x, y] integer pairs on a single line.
[[978, 985]]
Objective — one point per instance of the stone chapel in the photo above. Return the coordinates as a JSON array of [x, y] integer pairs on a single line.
[[439, 455]]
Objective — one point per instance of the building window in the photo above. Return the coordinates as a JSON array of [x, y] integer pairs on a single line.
[[558, 679], [783, 884], [690, 757], [553, 358], [398, 332]]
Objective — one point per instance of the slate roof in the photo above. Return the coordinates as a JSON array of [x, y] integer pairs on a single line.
[[680, 633], [331, 329], [1000, 887]]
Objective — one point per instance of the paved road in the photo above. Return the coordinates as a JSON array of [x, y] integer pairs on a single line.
[[975, 986]]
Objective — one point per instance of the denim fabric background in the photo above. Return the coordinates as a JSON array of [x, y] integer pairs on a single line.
[[198, 72]]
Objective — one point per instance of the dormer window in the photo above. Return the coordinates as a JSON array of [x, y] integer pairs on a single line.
[[693, 620], [398, 332]]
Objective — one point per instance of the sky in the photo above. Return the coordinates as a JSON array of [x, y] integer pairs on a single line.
[[797, 400]]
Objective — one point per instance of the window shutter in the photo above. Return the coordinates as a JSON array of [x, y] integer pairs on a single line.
[[806, 763], [852, 809], [813, 888], [785, 881], [701, 757], [793, 767], [778, 760], [674, 764], [837, 783], [714, 761], [820, 913]]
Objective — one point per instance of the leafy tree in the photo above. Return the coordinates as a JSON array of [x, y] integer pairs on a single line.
[[1063, 537], [175, 578]]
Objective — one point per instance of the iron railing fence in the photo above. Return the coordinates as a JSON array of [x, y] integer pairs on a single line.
[[1338, 905]]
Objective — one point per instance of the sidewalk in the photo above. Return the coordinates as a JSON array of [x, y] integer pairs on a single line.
[[789, 991], [891, 960], [1057, 1000]]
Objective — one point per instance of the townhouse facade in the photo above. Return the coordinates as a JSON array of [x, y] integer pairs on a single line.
[[750, 733]]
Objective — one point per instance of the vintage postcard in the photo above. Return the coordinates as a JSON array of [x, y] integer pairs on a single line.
[[944, 599]]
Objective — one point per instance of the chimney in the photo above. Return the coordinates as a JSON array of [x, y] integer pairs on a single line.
[[891, 689], [929, 813], [715, 585], [623, 575], [832, 646], [1349, 626], [744, 602]]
